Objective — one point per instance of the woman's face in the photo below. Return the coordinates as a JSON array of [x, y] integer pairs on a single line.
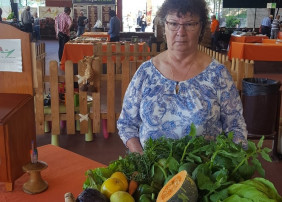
[[183, 37]]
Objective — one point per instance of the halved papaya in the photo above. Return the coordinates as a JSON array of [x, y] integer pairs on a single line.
[[180, 187]]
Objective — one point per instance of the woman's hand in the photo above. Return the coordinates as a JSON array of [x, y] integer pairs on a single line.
[[134, 145]]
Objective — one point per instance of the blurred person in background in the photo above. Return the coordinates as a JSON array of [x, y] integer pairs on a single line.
[[275, 27], [36, 27], [81, 22], [143, 23], [63, 24], [27, 20], [0, 14], [266, 25], [114, 27], [214, 32]]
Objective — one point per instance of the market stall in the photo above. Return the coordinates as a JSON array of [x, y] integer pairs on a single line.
[[94, 11], [247, 39], [272, 41], [104, 36], [58, 175], [255, 51], [280, 35], [76, 51]]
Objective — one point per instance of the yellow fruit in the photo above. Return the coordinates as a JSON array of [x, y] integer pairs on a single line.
[[122, 177], [111, 185], [121, 196]]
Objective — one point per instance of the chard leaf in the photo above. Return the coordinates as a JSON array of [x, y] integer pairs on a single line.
[[219, 196], [269, 188], [236, 198]]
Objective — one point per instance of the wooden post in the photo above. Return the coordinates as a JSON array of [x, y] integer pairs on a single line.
[[96, 103], [69, 97], [39, 100], [111, 97], [82, 101], [54, 98]]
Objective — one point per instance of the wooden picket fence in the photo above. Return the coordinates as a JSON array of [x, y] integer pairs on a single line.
[[111, 79], [38, 52], [239, 69]]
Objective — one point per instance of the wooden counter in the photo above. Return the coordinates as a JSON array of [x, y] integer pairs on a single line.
[[17, 130], [65, 173]]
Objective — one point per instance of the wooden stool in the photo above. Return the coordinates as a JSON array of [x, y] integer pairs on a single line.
[[35, 184]]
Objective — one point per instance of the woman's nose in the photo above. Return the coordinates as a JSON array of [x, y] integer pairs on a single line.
[[181, 31]]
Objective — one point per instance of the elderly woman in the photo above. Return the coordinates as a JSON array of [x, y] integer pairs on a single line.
[[181, 86]]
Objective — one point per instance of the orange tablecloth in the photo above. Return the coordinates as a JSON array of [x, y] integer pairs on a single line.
[[65, 173], [280, 35], [247, 39], [97, 35], [271, 41], [76, 52], [256, 51]]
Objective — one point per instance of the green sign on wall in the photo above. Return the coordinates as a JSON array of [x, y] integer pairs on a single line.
[[94, 1], [271, 5]]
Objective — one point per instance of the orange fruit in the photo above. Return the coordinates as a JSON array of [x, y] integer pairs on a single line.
[[121, 196], [111, 185], [122, 177]]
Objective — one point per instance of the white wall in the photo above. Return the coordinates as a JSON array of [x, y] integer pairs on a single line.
[[260, 14], [6, 8]]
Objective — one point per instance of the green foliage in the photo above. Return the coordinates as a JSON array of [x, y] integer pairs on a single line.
[[256, 189], [213, 165], [231, 21], [11, 16]]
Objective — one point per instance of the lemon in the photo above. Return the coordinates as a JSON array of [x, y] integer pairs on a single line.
[[121, 196], [111, 185], [122, 177]]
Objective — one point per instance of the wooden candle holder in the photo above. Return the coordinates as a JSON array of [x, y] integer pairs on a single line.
[[35, 184]]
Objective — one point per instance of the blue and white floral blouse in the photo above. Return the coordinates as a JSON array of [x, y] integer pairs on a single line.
[[152, 108]]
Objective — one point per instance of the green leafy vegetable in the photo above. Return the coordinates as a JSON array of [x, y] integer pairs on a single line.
[[213, 165]]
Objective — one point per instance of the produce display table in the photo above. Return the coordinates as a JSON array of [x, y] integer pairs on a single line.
[[76, 51], [280, 35], [272, 41], [97, 35], [256, 51], [247, 39], [65, 173]]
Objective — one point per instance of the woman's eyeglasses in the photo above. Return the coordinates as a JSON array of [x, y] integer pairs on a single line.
[[189, 26]]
